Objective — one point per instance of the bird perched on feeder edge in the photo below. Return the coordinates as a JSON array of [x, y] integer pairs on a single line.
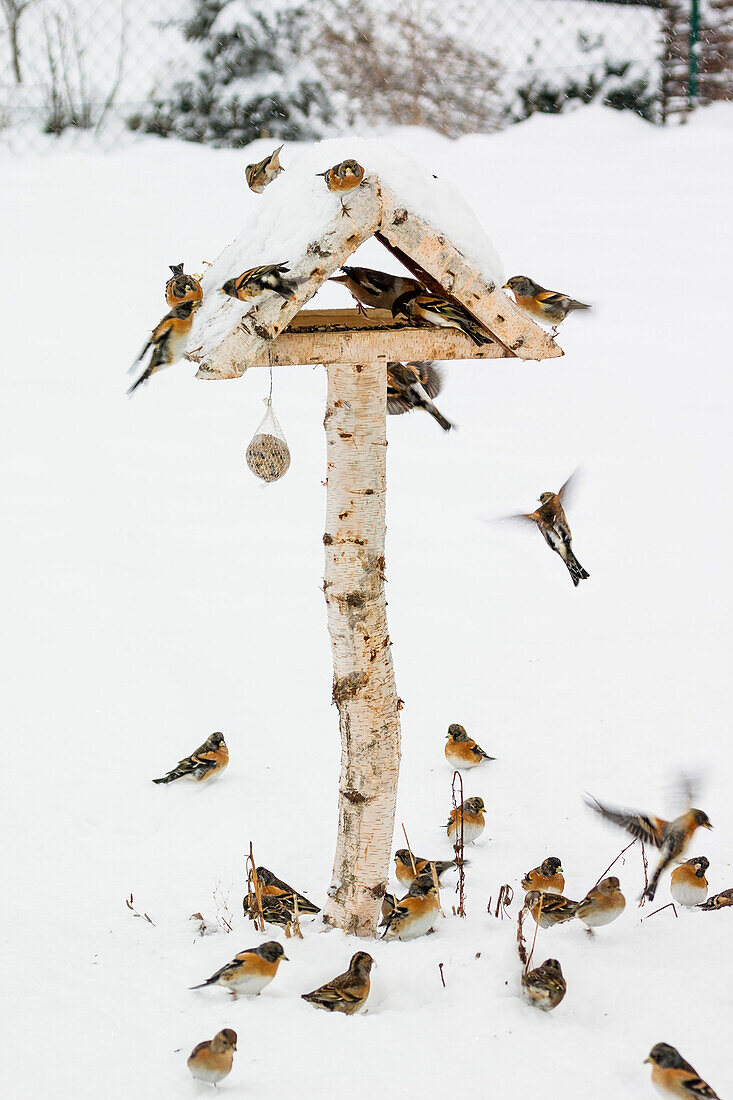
[[347, 992], [673, 1076], [412, 386], [602, 904], [421, 306], [277, 899], [461, 751], [211, 1061], [250, 971], [671, 837], [553, 524], [548, 877], [720, 900], [168, 341], [207, 760], [545, 986], [472, 813], [259, 175], [376, 289], [345, 176], [405, 874], [687, 884], [549, 909], [543, 305], [181, 287], [259, 281], [415, 914]]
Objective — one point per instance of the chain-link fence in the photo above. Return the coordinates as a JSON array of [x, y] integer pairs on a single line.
[[95, 72]]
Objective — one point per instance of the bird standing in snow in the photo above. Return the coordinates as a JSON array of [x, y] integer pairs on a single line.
[[259, 175], [461, 751], [278, 906], [181, 287], [168, 341], [345, 176], [404, 867], [471, 812], [549, 909], [415, 914], [208, 760], [421, 306], [541, 304], [553, 525], [687, 884], [412, 386], [544, 987], [249, 971], [372, 288], [603, 904], [259, 281], [671, 837], [548, 877], [347, 992], [211, 1061], [673, 1076]]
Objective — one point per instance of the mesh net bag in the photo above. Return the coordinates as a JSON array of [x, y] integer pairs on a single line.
[[268, 455]]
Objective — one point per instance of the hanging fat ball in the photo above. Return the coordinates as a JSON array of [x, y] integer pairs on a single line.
[[268, 454], [208, 760], [259, 281], [375, 289], [541, 304], [259, 175], [421, 306], [553, 525], [168, 341], [182, 288], [345, 176], [544, 987], [411, 386]]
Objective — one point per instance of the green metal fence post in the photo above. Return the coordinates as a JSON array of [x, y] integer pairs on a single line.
[[692, 85]]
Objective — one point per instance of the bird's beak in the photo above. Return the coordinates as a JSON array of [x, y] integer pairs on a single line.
[[645, 1061], [708, 826], [505, 286], [284, 958]]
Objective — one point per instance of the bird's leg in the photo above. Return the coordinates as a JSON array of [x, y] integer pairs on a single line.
[[359, 307], [589, 931], [553, 334], [344, 211]]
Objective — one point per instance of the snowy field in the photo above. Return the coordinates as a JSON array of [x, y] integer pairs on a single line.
[[155, 592]]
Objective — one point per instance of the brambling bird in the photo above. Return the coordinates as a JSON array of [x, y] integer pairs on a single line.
[[181, 287], [719, 901], [345, 176], [249, 971], [415, 914], [673, 1076], [687, 884], [277, 899], [409, 386], [208, 760], [472, 812], [544, 987], [543, 305], [259, 175], [461, 751], [602, 904], [421, 306], [405, 874], [389, 904], [548, 877], [671, 837], [211, 1061], [553, 525], [258, 281], [376, 289], [549, 909], [168, 341], [348, 992]]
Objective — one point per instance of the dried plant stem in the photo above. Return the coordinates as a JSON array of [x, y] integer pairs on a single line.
[[409, 849], [645, 863], [143, 916], [458, 845], [440, 968], [534, 938], [521, 944], [618, 857], [254, 895], [669, 905]]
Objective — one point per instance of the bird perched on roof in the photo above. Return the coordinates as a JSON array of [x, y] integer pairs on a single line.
[[671, 837], [421, 306], [259, 175], [372, 288], [471, 812], [168, 341], [549, 909], [461, 751], [687, 884], [544, 305], [257, 282], [405, 874], [249, 971], [412, 386], [553, 525], [672, 1075], [277, 899], [545, 986], [547, 877], [348, 992], [415, 914], [181, 287], [345, 176], [602, 904], [719, 901], [211, 1061], [207, 760]]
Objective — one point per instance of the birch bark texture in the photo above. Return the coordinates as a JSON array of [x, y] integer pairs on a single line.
[[363, 686]]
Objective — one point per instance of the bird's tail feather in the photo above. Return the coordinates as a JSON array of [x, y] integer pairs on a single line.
[[575, 569]]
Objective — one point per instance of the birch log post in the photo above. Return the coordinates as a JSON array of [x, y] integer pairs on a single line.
[[363, 686]]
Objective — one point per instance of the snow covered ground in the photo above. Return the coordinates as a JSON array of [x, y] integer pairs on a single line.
[[155, 592]]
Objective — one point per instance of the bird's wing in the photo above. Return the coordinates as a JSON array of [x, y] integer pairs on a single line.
[[567, 489], [552, 298], [642, 826]]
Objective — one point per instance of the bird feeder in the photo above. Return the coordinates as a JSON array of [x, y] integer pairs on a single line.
[[424, 223]]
